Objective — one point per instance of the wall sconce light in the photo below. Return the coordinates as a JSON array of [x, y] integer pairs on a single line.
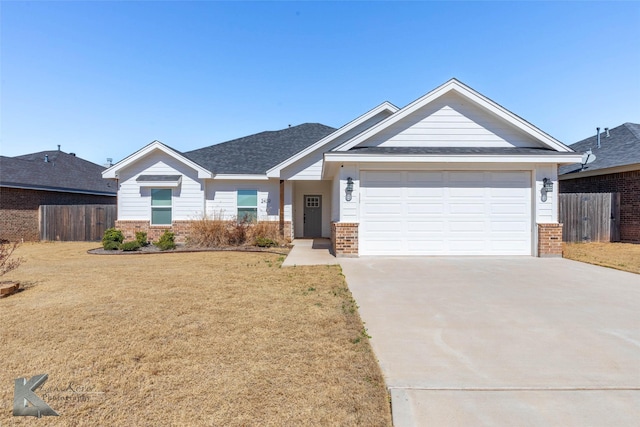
[[349, 190], [547, 187]]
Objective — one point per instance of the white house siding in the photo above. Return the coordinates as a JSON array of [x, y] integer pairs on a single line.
[[451, 122], [310, 167], [302, 188], [222, 201], [546, 212], [134, 201]]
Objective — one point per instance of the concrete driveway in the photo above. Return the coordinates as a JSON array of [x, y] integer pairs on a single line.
[[502, 341]]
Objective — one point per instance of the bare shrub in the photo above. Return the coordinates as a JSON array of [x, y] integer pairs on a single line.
[[7, 261], [238, 232], [262, 231], [209, 233]]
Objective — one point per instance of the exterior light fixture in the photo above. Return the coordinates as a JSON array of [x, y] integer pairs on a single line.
[[349, 190], [547, 187]]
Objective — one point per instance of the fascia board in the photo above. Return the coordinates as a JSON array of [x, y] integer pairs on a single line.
[[112, 172], [604, 171], [274, 172], [241, 177], [338, 157]]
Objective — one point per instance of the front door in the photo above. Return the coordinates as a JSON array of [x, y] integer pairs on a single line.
[[312, 216]]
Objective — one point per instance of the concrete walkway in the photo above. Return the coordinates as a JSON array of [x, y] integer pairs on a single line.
[[517, 341], [310, 252]]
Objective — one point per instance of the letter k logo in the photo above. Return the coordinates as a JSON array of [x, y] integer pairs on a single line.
[[23, 394]]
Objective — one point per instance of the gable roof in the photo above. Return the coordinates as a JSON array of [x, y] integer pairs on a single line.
[[620, 148], [114, 170], [62, 172], [386, 108], [471, 95], [255, 154]]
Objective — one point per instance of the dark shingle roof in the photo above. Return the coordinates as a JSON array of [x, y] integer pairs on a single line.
[[63, 172], [255, 154], [621, 148], [507, 151]]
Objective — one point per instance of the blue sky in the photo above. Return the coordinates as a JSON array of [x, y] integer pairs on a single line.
[[103, 79]]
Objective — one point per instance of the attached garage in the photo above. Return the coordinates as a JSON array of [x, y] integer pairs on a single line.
[[445, 212]]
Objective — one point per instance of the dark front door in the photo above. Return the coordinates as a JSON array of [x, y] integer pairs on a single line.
[[312, 216]]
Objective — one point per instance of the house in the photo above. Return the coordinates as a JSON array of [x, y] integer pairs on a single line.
[[452, 173], [46, 178], [616, 169]]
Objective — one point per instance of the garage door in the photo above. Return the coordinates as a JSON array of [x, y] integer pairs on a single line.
[[445, 213]]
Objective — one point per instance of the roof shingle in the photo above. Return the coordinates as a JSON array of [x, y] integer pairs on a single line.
[[255, 154], [62, 172], [620, 148]]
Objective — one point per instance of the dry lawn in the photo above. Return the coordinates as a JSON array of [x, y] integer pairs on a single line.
[[203, 339], [621, 256]]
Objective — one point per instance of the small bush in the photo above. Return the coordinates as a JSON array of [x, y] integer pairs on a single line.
[[209, 233], [266, 234], [166, 241], [265, 242], [133, 245], [112, 235], [7, 261], [238, 232], [141, 238], [110, 245]]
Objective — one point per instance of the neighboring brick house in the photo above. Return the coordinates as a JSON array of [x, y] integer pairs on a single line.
[[46, 178], [615, 170]]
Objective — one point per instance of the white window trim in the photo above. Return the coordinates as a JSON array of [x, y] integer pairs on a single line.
[[164, 207]]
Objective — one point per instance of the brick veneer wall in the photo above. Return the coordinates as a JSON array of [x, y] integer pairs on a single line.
[[19, 216], [344, 239], [180, 228], [549, 240], [625, 183]]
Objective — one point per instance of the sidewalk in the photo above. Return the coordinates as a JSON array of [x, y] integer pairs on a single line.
[[310, 252]]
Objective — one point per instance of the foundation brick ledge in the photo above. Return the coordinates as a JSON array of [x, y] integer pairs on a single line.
[[344, 239], [549, 240]]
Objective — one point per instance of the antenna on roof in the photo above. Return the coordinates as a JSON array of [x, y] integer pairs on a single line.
[[110, 161], [587, 158]]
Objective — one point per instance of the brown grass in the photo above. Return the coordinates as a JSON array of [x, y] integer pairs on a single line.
[[213, 338], [621, 256]]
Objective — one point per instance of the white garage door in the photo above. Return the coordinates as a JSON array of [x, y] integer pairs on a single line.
[[445, 213]]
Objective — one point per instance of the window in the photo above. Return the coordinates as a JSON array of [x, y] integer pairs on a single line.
[[248, 205], [160, 206]]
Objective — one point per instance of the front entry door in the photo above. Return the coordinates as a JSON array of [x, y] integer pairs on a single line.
[[312, 216]]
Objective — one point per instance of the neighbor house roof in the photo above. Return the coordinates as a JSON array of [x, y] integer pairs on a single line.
[[54, 171], [255, 154], [621, 148]]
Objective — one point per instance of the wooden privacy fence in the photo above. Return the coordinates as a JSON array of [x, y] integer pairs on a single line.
[[590, 217], [75, 222]]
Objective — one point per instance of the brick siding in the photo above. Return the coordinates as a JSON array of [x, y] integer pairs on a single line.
[[19, 217], [180, 228], [344, 239], [625, 183], [549, 240]]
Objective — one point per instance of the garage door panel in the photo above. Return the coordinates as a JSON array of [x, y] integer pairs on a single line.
[[425, 208], [437, 226], [509, 209], [509, 226], [461, 208], [445, 212]]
